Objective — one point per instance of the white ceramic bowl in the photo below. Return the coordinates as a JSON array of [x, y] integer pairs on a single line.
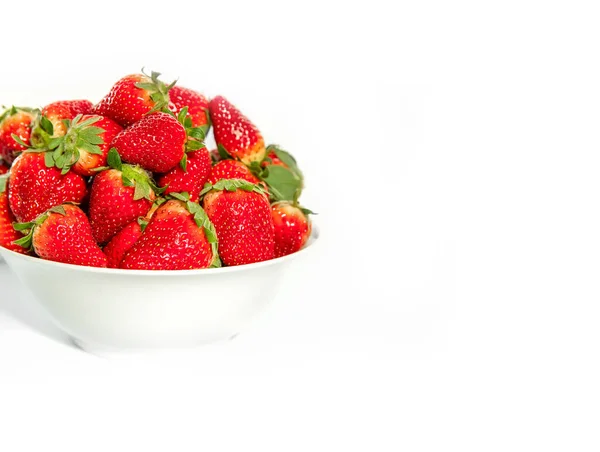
[[109, 311]]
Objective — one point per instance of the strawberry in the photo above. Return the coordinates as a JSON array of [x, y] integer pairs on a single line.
[[192, 178], [35, 187], [3, 167], [63, 234], [85, 145], [292, 227], [156, 142], [50, 123], [15, 121], [197, 105], [231, 169], [134, 96], [122, 242], [8, 235], [118, 196], [234, 133], [242, 217], [179, 236]]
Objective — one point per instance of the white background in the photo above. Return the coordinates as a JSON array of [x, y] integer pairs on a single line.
[[451, 149]]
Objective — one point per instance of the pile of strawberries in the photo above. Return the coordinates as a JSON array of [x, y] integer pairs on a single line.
[[129, 183]]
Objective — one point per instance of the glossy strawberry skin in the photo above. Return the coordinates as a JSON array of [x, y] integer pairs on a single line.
[[35, 188], [7, 233], [58, 111], [121, 243], [112, 206], [20, 124], [68, 239], [156, 143], [234, 131], [197, 104], [126, 103], [231, 169], [171, 241], [87, 162], [193, 179], [244, 225], [292, 228]]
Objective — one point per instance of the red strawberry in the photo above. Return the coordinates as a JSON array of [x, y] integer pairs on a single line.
[[118, 196], [50, 123], [35, 188], [156, 142], [231, 169], [134, 96], [85, 145], [197, 105], [234, 133], [122, 242], [15, 121], [192, 178], [242, 217], [178, 237], [7, 233], [292, 227], [63, 234]]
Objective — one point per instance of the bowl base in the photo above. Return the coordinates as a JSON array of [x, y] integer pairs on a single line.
[[111, 353]]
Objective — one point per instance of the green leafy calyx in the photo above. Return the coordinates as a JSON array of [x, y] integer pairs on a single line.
[[28, 228], [195, 135], [304, 210], [3, 182], [143, 223], [13, 110], [284, 183], [232, 185], [113, 159], [202, 221], [157, 90], [223, 152], [42, 132], [81, 136], [135, 176]]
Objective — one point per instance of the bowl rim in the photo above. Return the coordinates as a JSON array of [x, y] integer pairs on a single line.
[[315, 232]]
